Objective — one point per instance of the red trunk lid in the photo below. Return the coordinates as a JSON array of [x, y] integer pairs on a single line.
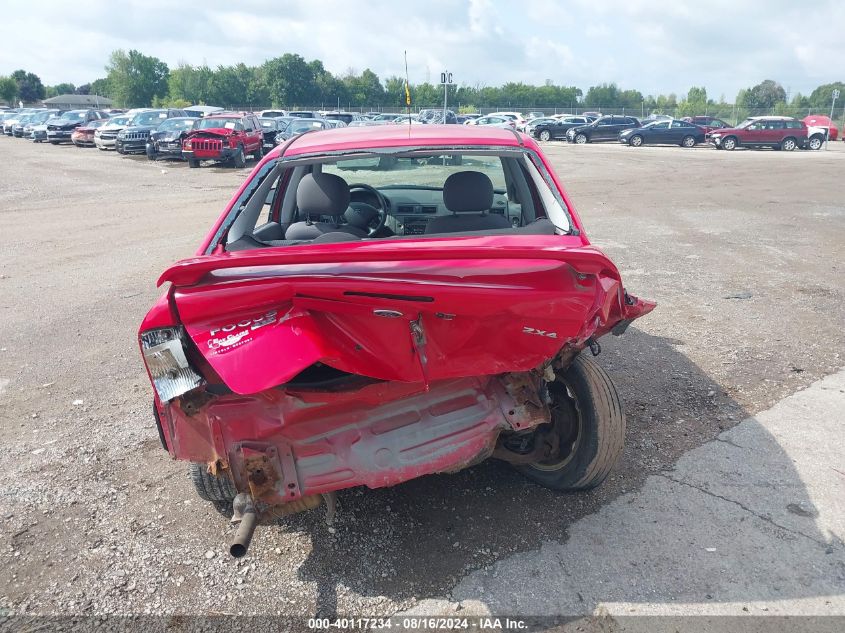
[[411, 311]]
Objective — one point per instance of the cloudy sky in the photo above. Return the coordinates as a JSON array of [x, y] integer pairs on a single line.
[[655, 47]]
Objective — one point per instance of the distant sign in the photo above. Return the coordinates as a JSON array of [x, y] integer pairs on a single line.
[[446, 78], [835, 93]]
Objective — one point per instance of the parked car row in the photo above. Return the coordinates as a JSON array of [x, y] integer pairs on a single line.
[[169, 132], [232, 136], [777, 132]]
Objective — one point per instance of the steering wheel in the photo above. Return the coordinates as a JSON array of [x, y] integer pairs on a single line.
[[365, 215]]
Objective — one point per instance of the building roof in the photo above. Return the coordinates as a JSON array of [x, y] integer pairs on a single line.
[[79, 100], [384, 136]]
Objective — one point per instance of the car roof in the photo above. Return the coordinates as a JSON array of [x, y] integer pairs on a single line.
[[384, 136]]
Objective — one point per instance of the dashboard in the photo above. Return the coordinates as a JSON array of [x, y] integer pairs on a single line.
[[410, 210]]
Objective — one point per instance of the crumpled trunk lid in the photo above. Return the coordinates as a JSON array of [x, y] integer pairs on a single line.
[[407, 311]]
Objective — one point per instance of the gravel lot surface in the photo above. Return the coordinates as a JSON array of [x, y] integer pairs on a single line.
[[743, 252]]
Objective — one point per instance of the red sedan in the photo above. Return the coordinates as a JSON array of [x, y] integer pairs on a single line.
[[83, 136], [380, 303]]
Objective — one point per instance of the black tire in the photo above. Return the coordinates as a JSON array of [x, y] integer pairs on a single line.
[[217, 489], [635, 141], [54, 142], [258, 154], [239, 159], [729, 143], [594, 403], [580, 139], [688, 141], [815, 142], [193, 163], [151, 153], [545, 135], [788, 144]]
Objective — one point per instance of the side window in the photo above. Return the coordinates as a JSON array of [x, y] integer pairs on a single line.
[[661, 126], [774, 125], [676, 124]]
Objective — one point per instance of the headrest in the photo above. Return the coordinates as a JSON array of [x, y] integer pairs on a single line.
[[468, 192], [322, 194]]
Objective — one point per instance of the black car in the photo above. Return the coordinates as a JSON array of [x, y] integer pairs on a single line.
[[558, 128], [133, 139], [166, 140], [60, 128], [270, 128], [606, 128], [667, 132]]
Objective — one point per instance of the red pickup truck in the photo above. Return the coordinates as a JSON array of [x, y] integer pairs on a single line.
[[227, 136]]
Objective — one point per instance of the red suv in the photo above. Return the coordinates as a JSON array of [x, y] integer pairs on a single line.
[[777, 132], [228, 136]]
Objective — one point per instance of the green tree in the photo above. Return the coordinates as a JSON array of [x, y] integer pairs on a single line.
[[136, 79], [100, 87], [30, 88], [60, 89], [605, 95], [821, 98], [190, 83], [289, 80], [764, 95], [8, 89]]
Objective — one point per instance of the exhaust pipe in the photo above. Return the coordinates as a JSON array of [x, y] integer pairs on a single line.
[[244, 516]]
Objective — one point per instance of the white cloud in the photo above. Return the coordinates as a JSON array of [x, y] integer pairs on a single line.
[[638, 44]]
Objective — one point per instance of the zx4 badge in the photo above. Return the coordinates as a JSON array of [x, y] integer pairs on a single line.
[[535, 331]]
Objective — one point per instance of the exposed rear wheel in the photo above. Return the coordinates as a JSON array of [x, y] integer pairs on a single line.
[[590, 427], [815, 142], [688, 141], [219, 489]]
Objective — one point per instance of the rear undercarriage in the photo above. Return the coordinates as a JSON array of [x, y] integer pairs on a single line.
[[289, 448]]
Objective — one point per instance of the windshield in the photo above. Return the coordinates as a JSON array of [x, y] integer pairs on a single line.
[[74, 115], [119, 120], [297, 127], [176, 124], [217, 123], [149, 118], [429, 172]]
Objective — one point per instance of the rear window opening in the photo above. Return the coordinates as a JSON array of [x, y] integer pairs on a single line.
[[410, 194]]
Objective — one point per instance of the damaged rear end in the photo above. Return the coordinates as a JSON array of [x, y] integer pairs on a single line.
[[290, 373]]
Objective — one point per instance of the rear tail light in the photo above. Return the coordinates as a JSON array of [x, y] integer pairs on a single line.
[[164, 355], [187, 145]]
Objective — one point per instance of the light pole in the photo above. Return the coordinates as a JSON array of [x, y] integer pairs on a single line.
[[832, 105]]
